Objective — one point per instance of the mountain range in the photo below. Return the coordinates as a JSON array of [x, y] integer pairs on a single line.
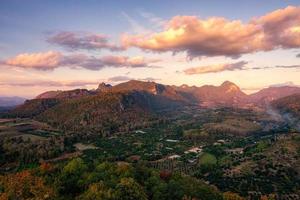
[[227, 94], [117, 107]]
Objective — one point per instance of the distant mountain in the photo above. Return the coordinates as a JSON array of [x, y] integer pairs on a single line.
[[267, 95], [289, 104], [227, 94], [289, 109], [11, 101]]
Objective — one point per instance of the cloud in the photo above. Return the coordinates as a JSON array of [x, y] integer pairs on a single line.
[[149, 79], [117, 79], [41, 61], [80, 40], [216, 68], [286, 66], [51, 60], [289, 83], [276, 66], [217, 36], [47, 83]]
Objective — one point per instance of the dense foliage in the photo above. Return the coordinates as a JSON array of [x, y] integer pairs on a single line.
[[78, 179]]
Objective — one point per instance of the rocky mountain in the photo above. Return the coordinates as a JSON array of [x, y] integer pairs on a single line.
[[103, 87], [227, 94], [160, 90], [289, 104], [135, 100], [289, 109], [70, 94], [113, 111], [265, 96]]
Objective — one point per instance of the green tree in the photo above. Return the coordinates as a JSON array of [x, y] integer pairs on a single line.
[[129, 189], [97, 191]]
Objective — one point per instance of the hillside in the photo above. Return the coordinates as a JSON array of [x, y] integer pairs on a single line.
[[34, 107], [103, 113], [267, 95], [77, 93], [227, 94], [156, 89], [289, 104]]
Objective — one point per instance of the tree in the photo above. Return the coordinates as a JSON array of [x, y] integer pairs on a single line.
[[70, 179], [97, 191], [232, 196], [75, 167], [24, 185], [129, 189]]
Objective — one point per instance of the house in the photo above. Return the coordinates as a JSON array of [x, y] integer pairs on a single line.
[[140, 131], [192, 160], [194, 150], [221, 141], [169, 140], [175, 156]]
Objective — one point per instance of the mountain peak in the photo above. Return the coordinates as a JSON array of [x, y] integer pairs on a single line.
[[184, 86], [103, 86], [228, 83]]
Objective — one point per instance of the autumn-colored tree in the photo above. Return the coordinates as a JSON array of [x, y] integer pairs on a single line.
[[232, 196], [165, 175], [268, 197], [46, 168], [24, 185], [97, 191]]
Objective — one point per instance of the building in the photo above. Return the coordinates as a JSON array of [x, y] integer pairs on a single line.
[[175, 156]]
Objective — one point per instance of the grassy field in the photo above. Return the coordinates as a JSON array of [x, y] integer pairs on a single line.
[[25, 128]]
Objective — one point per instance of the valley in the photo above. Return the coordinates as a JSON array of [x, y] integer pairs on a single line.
[[245, 151]]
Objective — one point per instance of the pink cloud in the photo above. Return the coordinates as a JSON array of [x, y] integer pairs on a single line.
[[218, 36], [48, 60], [51, 60], [118, 79], [216, 68], [46, 83]]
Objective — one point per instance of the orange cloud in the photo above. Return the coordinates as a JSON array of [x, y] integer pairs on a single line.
[[48, 60], [51, 60], [216, 68], [218, 36]]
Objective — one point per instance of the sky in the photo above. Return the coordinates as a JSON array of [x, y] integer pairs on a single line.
[[61, 45]]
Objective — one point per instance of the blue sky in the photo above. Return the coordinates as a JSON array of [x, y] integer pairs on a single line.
[[26, 25]]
